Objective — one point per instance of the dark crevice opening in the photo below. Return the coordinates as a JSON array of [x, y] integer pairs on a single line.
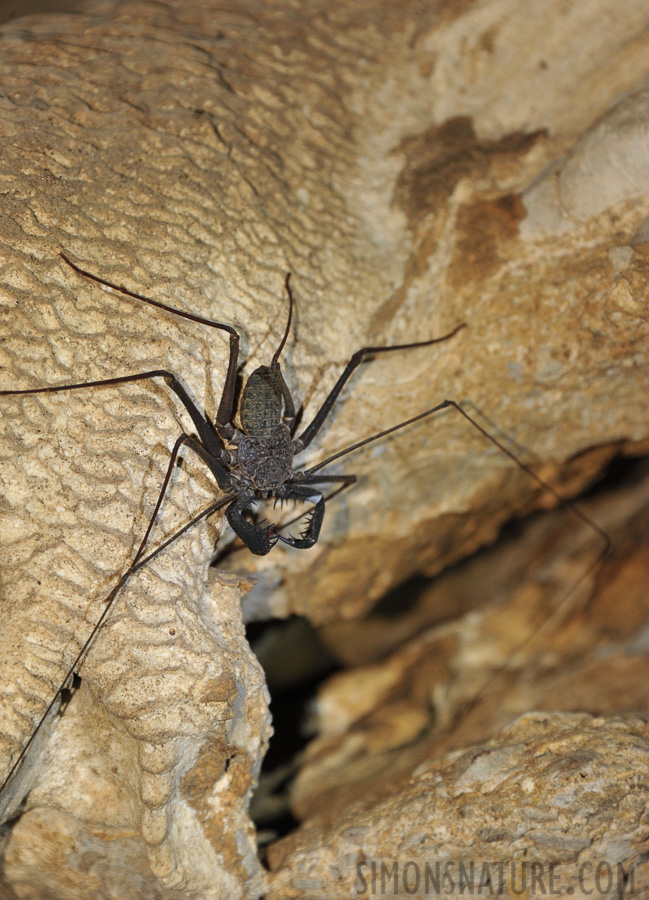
[[294, 688], [293, 678]]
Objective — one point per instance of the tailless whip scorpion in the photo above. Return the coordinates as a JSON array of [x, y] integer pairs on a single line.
[[253, 461]]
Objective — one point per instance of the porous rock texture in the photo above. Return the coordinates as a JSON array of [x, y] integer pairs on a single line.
[[415, 166], [547, 788], [527, 645]]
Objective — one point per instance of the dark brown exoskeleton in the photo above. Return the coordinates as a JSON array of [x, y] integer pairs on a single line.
[[253, 462], [265, 454]]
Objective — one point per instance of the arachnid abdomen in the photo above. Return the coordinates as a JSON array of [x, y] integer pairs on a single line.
[[265, 454], [261, 403]]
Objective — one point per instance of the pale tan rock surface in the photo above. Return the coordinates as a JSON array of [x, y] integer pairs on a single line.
[[413, 167], [150, 770], [526, 644], [557, 788]]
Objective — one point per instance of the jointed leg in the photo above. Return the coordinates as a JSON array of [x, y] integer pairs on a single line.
[[121, 379], [309, 433], [289, 406], [203, 426], [226, 404], [451, 404], [138, 562]]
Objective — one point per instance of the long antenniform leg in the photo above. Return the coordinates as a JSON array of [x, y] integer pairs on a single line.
[[476, 699], [226, 404], [203, 426], [139, 560], [451, 404]]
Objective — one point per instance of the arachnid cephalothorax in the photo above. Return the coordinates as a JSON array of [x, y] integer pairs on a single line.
[[252, 461], [256, 460]]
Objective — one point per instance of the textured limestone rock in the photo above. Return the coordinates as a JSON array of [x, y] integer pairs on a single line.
[[150, 769], [526, 219], [527, 644], [556, 790], [412, 168]]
